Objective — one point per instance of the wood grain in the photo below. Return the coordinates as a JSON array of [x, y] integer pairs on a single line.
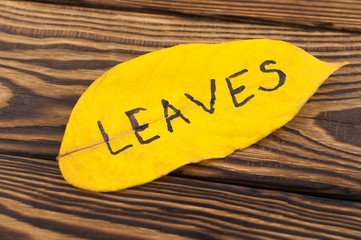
[[36, 203], [50, 54], [329, 14]]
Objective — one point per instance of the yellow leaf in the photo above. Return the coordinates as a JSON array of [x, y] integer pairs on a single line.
[[146, 117]]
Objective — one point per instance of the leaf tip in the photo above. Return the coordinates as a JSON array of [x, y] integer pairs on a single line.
[[335, 66]]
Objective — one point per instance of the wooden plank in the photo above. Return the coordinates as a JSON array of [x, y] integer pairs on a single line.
[[35, 203], [331, 14], [49, 54]]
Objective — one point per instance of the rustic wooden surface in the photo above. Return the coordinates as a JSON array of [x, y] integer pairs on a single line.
[[49, 55], [333, 14], [37, 204]]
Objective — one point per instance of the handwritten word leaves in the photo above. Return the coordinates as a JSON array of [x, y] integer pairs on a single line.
[[146, 117]]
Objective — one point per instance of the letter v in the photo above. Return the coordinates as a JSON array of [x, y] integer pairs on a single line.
[[213, 98]]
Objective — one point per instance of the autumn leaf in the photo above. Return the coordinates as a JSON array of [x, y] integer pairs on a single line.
[[147, 117]]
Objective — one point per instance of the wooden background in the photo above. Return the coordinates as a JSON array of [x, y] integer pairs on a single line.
[[301, 182]]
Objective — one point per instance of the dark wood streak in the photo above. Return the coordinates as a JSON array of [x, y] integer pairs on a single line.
[[167, 208], [349, 133], [66, 65], [45, 77], [352, 116]]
